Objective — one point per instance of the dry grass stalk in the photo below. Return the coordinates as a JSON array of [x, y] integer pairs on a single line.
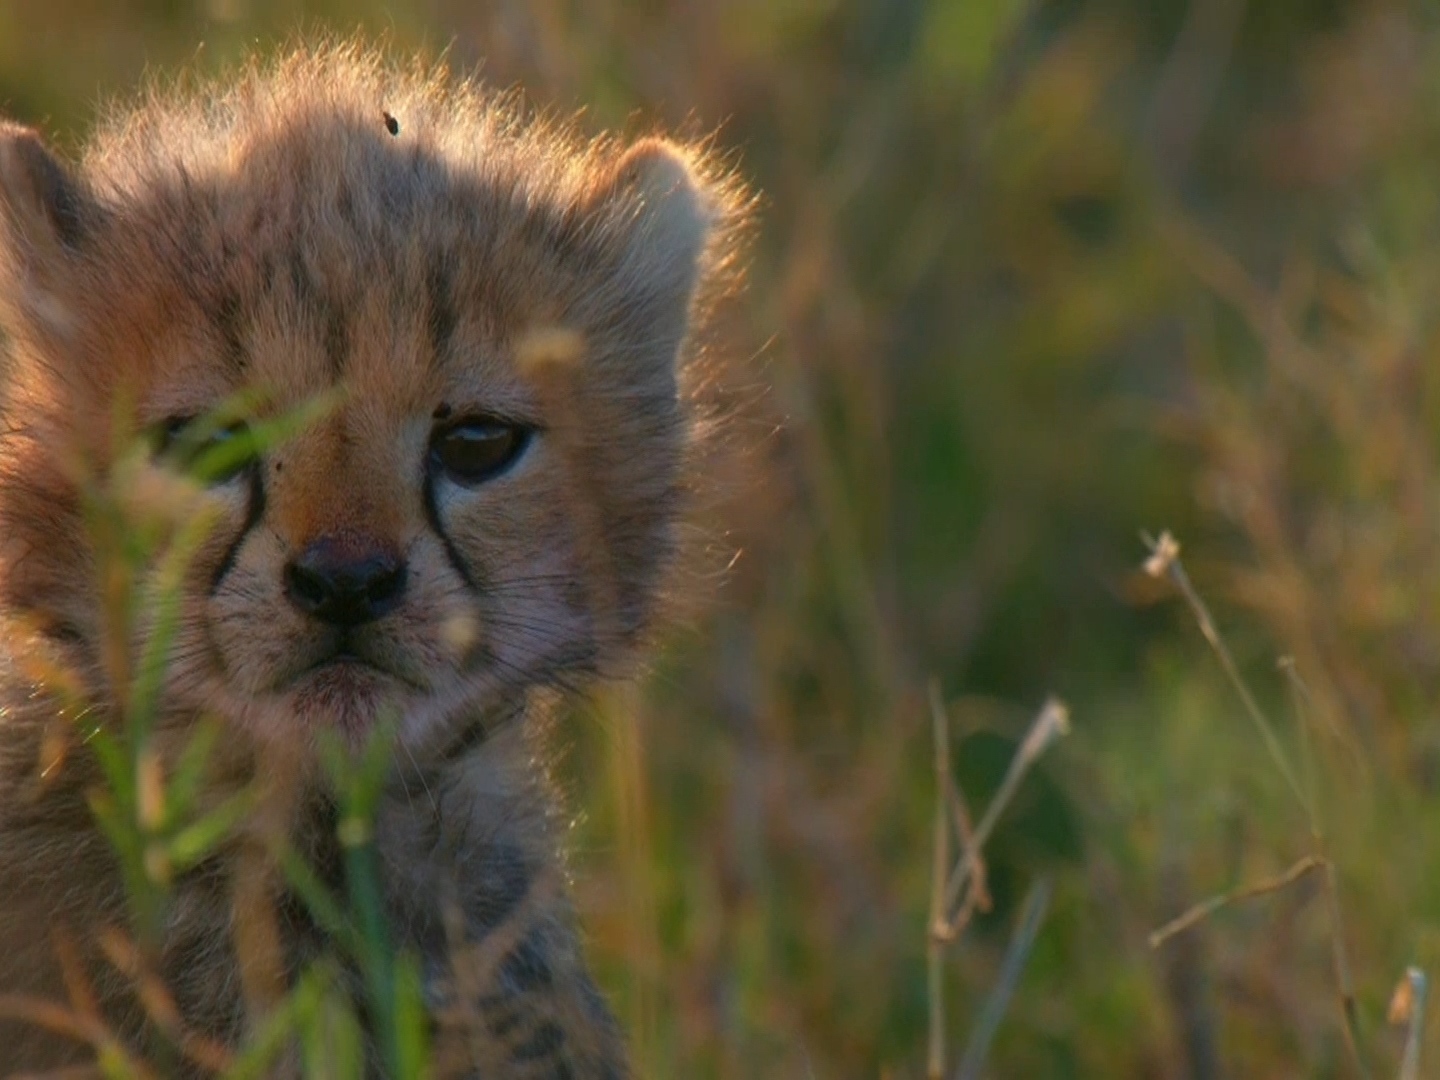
[[1052, 722], [1300, 696], [464, 1044], [462, 1029], [935, 944], [960, 815], [1407, 1006], [159, 1005], [54, 1018], [81, 1020], [1203, 910], [956, 896], [1164, 561], [255, 928]]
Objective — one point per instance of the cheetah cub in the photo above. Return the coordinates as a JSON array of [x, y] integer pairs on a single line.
[[506, 323]]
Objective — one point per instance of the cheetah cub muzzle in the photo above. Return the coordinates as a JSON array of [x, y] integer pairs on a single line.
[[503, 323]]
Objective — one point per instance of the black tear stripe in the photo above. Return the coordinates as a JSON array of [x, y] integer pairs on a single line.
[[253, 512], [452, 553]]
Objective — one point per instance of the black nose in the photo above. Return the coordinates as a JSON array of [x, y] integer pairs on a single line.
[[344, 582]]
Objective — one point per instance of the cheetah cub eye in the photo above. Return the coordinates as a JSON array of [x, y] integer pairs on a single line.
[[474, 449], [213, 452]]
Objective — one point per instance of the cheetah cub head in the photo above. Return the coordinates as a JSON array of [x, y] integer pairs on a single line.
[[501, 318]]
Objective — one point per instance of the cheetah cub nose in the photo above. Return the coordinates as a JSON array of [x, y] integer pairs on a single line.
[[345, 580]]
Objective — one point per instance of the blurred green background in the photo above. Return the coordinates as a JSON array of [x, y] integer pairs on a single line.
[[1029, 277]]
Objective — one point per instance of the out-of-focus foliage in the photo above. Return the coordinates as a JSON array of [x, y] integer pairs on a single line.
[[1029, 277]]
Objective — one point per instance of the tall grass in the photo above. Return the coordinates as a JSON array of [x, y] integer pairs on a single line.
[[164, 808], [1028, 277]]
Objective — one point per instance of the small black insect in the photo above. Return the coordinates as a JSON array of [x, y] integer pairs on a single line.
[[391, 124]]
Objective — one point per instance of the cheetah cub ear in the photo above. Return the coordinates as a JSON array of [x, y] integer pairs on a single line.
[[673, 216], [666, 218], [46, 214]]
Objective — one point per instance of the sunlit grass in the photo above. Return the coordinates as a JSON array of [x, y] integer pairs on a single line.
[[1033, 277]]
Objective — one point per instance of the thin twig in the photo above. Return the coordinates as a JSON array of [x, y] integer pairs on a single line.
[[960, 816], [54, 1017], [1415, 989], [1206, 908], [158, 1003], [935, 942], [1349, 1013], [1052, 722], [1165, 559], [949, 926], [988, 1022]]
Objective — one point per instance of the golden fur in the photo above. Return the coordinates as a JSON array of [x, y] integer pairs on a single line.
[[334, 225]]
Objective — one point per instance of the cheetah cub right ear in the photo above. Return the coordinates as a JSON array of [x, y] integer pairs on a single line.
[[46, 215]]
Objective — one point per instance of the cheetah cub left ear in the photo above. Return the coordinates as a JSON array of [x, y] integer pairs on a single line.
[[665, 222], [46, 216], [674, 218]]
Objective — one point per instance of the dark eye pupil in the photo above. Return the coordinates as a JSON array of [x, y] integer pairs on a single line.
[[477, 450]]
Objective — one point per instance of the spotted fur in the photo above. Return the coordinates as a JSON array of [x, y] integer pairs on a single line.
[[419, 249]]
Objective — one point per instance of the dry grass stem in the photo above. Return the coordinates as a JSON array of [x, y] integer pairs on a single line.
[[159, 1005], [1052, 722], [464, 1044], [53, 1017], [935, 943], [1407, 1006], [947, 920], [960, 816], [255, 927], [1203, 910], [1165, 559], [1340, 957], [464, 1031], [71, 1024], [72, 972]]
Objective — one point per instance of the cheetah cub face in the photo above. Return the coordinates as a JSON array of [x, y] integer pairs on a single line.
[[473, 515]]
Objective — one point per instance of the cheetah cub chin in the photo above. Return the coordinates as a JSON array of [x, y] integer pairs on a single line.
[[504, 324]]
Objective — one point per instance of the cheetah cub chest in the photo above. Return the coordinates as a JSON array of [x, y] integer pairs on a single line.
[[491, 328]]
